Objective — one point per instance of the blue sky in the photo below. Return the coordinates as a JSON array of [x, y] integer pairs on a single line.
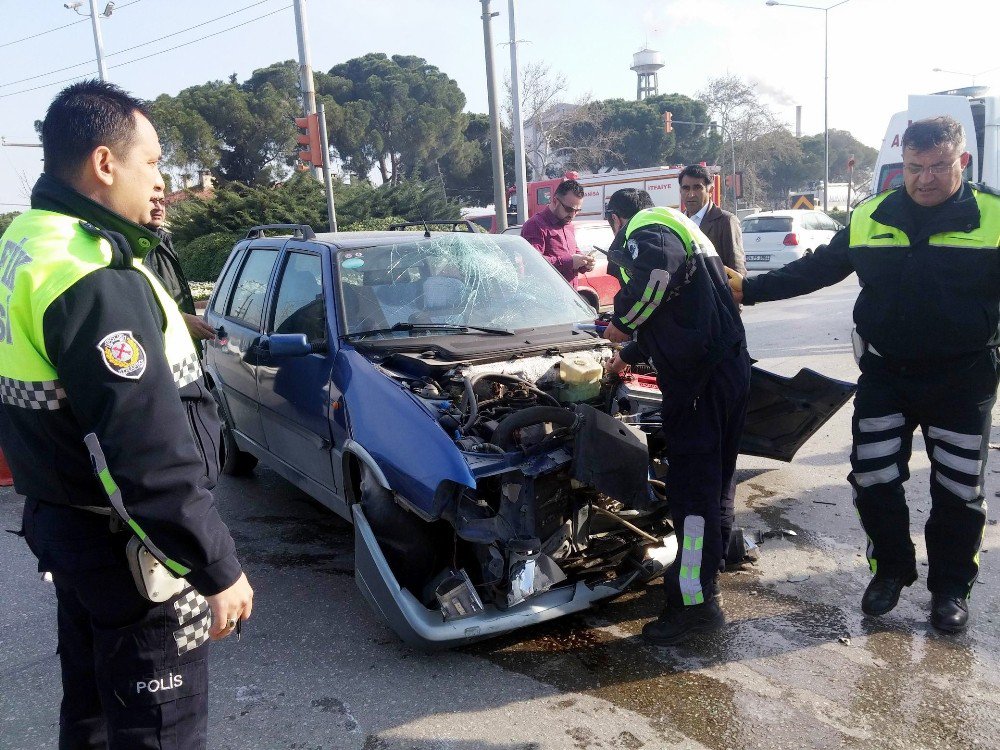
[[879, 51]]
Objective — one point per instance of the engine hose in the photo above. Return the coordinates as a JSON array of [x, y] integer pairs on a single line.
[[533, 415], [623, 522], [514, 379], [470, 401]]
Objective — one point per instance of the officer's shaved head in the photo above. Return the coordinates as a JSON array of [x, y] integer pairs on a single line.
[[83, 117]]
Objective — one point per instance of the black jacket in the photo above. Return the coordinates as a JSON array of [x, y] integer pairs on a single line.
[[161, 442], [916, 303], [164, 262], [693, 324]]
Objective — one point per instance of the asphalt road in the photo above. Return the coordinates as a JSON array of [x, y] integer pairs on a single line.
[[797, 665]]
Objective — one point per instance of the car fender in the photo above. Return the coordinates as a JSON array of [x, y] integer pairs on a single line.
[[396, 436]]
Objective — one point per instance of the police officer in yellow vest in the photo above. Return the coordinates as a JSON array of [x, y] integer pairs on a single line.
[[90, 343], [928, 327], [677, 304]]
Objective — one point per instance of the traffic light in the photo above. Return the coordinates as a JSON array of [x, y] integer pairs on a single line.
[[668, 126], [309, 138]]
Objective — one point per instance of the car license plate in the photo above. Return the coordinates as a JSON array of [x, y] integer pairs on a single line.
[[758, 258]]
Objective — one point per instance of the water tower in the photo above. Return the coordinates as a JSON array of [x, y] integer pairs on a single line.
[[645, 63]]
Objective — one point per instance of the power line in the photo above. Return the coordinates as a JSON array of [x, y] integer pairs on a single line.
[[57, 28], [136, 46], [153, 54]]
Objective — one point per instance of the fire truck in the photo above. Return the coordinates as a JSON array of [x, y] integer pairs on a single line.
[[660, 182]]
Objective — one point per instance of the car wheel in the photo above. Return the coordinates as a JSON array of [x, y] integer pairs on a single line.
[[232, 461], [412, 547]]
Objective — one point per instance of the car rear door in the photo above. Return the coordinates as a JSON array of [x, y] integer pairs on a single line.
[[294, 391], [238, 316]]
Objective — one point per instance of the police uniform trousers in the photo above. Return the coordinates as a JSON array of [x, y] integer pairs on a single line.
[[951, 402], [702, 440], [134, 673]]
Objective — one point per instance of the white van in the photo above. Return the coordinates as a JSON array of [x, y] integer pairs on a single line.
[[979, 115]]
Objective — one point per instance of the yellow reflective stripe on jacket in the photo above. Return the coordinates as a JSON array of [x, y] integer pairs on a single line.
[[866, 232]]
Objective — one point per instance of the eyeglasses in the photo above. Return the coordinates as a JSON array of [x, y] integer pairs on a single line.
[[934, 169], [568, 209]]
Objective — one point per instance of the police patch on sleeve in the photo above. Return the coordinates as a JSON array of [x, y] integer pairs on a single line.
[[633, 247], [123, 355]]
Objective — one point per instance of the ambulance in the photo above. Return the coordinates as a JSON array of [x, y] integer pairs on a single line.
[[660, 182], [979, 115]]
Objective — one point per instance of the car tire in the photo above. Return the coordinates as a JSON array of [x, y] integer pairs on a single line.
[[232, 461], [411, 546]]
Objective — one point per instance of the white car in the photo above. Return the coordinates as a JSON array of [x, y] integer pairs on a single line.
[[772, 239]]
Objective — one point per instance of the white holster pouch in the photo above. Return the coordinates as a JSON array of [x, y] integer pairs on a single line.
[[858, 344], [152, 578]]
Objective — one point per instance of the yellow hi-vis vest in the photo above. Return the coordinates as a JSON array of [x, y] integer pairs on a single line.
[[866, 232], [42, 255]]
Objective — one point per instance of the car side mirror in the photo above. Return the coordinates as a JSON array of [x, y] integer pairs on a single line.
[[288, 345]]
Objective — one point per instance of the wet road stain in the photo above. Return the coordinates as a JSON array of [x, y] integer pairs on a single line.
[[777, 676]]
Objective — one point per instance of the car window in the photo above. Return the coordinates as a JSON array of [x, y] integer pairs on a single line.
[[826, 223], [767, 224], [809, 222], [247, 304], [299, 307], [492, 281], [890, 176], [225, 285]]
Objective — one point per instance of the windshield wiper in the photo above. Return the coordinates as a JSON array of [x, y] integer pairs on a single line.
[[448, 327]]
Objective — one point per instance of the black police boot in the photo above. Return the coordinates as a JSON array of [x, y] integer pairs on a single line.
[[883, 592], [675, 624], [949, 613]]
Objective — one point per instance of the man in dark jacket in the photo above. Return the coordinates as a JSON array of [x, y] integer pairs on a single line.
[[721, 227], [677, 303], [164, 262], [927, 333], [92, 345]]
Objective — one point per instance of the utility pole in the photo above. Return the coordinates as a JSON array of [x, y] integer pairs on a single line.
[[306, 85], [95, 22], [520, 170], [331, 209], [499, 190]]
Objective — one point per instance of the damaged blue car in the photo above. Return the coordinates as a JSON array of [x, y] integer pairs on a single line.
[[444, 392]]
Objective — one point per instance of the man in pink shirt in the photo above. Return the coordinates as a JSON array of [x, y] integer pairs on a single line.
[[551, 232]]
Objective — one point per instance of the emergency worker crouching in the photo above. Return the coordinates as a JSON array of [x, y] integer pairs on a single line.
[[677, 302], [927, 256], [93, 345]]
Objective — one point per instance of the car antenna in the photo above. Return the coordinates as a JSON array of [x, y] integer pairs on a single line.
[[427, 229]]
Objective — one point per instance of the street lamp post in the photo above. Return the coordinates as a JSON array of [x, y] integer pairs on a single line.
[[826, 84], [973, 76], [95, 22]]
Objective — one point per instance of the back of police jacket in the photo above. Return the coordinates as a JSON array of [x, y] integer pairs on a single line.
[[930, 276], [676, 298], [90, 344]]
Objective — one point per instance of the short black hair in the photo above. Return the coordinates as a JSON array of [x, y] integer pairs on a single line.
[[627, 202], [84, 116], [932, 132], [697, 171], [570, 186]]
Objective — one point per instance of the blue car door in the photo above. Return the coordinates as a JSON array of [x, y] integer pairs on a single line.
[[294, 391], [238, 316]]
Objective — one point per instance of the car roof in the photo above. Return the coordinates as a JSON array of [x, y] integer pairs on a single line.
[[791, 212], [352, 240]]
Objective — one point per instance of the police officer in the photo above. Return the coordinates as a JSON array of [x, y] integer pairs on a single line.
[[677, 302], [91, 343], [927, 332], [165, 263]]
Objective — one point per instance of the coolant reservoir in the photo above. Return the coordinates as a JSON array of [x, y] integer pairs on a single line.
[[581, 378]]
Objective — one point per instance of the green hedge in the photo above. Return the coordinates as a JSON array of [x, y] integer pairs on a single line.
[[203, 258]]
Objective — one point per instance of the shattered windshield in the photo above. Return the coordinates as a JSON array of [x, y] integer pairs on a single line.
[[454, 279]]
